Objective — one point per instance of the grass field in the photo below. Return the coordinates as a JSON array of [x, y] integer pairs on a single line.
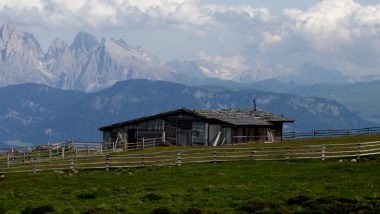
[[236, 187], [285, 143], [243, 187]]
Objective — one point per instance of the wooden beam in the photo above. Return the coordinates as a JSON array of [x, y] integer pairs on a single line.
[[217, 139]]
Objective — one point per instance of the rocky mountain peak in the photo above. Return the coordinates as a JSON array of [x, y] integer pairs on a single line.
[[17, 45], [84, 41], [87, 64], [5, 31], [59, 43], [57, 46]]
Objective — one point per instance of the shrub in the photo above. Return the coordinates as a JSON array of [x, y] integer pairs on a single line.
[[161, 210], [260, 206], [38, 210], [2, 210], [152, 197], [86, 195], [193, 211], [297, 200], [95, 211]]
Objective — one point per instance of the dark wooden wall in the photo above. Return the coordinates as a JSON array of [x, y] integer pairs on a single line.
[[186, 129], [249, 134]]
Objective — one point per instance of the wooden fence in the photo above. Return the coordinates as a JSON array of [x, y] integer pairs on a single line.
[[141, 143], [331, 133], [19, 163]]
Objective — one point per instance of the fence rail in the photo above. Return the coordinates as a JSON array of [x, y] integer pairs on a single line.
[[20, 163], [331, 133]]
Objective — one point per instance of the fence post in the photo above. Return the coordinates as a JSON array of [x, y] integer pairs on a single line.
[[125, 146], [38, 155], [63, 152], [101, 149], [358, 151], [214, 156], [72, 164], [142, 158], [323, 152], [49, 152], [179, 158], [107, 163], [253, 154], [88, 151], [369, 131], [287, 153], [8, 159], [143, 142], [34, 165]]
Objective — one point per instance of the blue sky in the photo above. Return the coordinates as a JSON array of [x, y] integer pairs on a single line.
[[265, 37]]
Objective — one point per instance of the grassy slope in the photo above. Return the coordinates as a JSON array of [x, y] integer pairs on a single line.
[[285, 143], [224, 188], [238, 187]]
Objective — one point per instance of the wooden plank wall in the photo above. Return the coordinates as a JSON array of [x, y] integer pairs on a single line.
[[198, 133], [213, 130]]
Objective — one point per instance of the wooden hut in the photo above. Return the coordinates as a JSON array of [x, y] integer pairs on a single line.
[[196, 127]]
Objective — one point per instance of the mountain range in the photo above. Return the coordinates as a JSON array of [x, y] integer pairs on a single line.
[[39, 114], [89, 64], [86, 64], [70, 90]]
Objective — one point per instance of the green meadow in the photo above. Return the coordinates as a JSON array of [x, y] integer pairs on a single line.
[[316, 186]]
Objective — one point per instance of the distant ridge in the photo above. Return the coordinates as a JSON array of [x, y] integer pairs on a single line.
[[36, 115]]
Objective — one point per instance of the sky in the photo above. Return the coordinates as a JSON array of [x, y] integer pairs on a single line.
[[265, 37]]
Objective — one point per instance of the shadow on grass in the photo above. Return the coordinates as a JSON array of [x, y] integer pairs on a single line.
[[38, 210]]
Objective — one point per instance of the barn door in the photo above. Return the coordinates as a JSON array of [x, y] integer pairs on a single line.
[[178, 131], [132, 136], [170, 132], [184, 137]]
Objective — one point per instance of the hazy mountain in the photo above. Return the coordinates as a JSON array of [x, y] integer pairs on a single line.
[[313, 74], [80, 117], [29, 104], [20, 56], [203, 70], [87, 64], [360, 97]]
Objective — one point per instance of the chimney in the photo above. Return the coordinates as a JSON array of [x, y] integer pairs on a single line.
[[254, 105]]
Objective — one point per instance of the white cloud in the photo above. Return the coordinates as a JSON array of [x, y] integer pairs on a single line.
[[22, 4], [216, 66], [119, 12], [341, 31], [268, 38], [325, 24], [104, 12], [235, 62]]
